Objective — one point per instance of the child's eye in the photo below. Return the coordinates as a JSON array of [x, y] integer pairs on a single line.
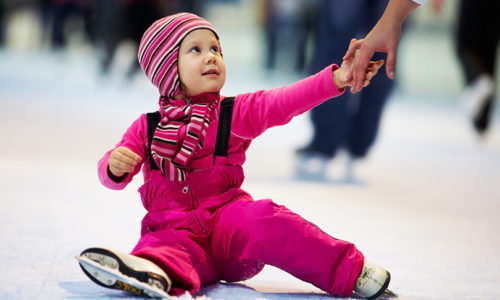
[[214, 49], [195, 49]]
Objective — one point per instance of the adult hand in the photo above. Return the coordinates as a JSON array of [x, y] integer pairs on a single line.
[[343, 75], [122, 160], [384, 37]]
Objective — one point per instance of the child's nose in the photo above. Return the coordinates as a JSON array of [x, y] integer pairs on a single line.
[[210, 57]]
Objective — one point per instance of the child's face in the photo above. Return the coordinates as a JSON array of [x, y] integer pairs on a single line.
[[200, 64]]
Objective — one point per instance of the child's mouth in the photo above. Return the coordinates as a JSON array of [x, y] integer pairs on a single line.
[[210, 72]]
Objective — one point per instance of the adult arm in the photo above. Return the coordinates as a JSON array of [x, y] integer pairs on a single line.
[[384, 37]]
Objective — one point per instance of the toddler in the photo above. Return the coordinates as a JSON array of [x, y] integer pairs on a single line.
[[200, 226]]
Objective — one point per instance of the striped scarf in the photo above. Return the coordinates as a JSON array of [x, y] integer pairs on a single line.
[[171, 154]]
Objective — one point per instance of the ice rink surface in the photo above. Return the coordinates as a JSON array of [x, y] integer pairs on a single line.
[[426, 204]]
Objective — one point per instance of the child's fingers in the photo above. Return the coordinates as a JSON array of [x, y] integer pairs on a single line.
[[373, 68], [121, 164], [123, 160], [371, 73], [375, 65], [129, 154], [369, 76], [366, 83]]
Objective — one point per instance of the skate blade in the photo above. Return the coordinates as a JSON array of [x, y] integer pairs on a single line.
[[112, 278], [389, 294]]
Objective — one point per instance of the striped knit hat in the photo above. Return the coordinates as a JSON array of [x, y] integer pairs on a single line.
[[159, 48]]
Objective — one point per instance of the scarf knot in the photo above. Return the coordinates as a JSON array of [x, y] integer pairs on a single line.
[[172, 152]]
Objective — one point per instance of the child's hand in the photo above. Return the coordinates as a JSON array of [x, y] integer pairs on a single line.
[[343, 76], [122, 160]]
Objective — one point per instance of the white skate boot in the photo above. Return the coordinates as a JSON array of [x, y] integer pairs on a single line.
[[372, 281], [121, 271]]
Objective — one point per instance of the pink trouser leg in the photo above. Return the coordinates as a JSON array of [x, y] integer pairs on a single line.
[[248, 234], [183, 259]]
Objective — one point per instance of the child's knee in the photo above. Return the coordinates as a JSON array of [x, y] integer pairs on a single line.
[[236, 270]]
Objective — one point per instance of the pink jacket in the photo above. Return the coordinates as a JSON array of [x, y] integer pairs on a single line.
[[211, 185]]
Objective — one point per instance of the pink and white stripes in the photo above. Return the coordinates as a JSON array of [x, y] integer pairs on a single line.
[[172, 155], [159, 49]]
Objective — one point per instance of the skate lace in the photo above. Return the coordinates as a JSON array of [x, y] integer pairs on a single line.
[[364, 277]]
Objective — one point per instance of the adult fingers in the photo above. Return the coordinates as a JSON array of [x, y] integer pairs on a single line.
[[390, 66], [353, 46], [359, 68]]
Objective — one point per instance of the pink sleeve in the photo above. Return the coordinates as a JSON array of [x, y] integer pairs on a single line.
[[135, 139], [253, 113]]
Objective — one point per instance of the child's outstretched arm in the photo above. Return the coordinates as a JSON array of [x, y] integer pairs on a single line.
[[344, 75], [263, 109]]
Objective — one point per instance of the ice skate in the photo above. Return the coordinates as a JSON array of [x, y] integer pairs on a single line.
[[372, 281], [311, 166], [121, 271], [350, 176], [478, 101]]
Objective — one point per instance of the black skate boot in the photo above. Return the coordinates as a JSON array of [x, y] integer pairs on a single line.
[[121, 271]]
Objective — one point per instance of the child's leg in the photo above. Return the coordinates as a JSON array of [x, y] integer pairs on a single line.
[[184, 261], [248, 233]]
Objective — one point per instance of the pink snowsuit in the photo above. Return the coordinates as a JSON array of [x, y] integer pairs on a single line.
[[208, 229]]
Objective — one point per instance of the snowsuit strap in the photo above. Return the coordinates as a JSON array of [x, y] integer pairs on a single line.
[[223, 131], [153, 120]]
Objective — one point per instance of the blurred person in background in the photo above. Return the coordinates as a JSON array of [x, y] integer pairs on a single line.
[[477, 37], [2, 23], [352, 122], [61, 11], [287, 25], [120, 21]]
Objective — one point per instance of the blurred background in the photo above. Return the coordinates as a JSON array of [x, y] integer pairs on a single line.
[[424, 202], [103, 35]]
